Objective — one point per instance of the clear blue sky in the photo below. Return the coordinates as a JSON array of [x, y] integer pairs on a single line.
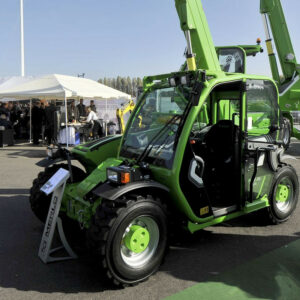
[[122, 37]]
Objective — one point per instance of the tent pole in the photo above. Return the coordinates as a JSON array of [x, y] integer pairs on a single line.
[[66, 120], [106, 115], [30, 122]]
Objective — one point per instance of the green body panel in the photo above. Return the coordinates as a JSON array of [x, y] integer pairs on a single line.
[[252, 50], [193, 19], [92, 154], [250, 207], [75, 202]]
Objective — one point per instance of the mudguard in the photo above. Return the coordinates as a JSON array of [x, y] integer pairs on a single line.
[[113, 192], [46, 162]]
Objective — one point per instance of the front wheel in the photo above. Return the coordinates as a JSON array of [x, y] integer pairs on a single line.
[[130, 238], [284, 195]]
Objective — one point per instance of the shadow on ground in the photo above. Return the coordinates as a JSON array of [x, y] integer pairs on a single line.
[[29, 153], [14, 191], [192, 258]]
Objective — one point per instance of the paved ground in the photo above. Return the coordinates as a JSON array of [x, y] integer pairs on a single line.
[[210, 256]]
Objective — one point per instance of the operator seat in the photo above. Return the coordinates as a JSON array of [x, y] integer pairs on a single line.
[[222, 155], [221, 140]]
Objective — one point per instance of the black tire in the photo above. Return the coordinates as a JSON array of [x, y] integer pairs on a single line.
[[287, 132], [278, 211], [108, 230], [39, 201]]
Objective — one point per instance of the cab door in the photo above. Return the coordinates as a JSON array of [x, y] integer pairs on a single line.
[[262, 123]]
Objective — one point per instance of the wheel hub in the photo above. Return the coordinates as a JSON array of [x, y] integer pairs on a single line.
[[282, 193], [137, 239]]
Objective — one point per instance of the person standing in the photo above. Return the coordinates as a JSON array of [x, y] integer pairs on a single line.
[[50, 112], [81, 108], [93, 106], [37, 121], [92, 119], [4, 122], [73, 113]]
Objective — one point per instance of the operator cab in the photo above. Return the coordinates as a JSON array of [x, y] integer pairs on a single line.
[[224, 125]]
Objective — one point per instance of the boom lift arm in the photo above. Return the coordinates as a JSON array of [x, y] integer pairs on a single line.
[[274, 19], [199, 40]]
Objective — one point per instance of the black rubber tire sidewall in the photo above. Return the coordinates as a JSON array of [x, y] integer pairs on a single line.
[[277, 215], [122, 271], [39, 201]]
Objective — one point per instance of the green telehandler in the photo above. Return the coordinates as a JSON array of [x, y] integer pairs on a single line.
[[201, 147]]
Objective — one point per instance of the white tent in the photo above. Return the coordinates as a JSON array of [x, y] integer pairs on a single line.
[[62, 87], [57, 86], [12, 81]]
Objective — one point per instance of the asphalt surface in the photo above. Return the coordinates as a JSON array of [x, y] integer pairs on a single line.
[[193, 259]]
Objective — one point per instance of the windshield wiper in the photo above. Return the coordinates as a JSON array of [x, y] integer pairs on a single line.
[[148, 148]]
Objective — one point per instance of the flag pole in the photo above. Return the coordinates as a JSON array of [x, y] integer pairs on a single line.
[[22, 39]]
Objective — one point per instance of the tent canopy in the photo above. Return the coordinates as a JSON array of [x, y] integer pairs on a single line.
[[57, 86], [12, 81]]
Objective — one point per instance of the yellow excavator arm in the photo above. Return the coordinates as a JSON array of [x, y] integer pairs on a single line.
[[120, 112]]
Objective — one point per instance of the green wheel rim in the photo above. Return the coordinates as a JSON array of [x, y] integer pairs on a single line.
[[284, 194], [140, 241]]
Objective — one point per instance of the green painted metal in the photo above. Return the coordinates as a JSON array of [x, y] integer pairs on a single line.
[[281, 36], [93, 153], [250, 207], [282, 193], [137, 239], [192, 18]]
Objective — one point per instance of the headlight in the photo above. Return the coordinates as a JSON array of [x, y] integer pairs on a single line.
[[112, 175], [183, 80], [123, 174], [172, 81]]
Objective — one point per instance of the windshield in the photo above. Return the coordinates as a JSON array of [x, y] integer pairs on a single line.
[[153, 129]]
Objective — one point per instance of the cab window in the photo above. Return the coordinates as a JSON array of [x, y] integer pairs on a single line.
[[262, 107], [232, 60]]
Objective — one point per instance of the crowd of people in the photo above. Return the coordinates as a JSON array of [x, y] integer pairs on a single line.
[[47, 119], [14, 115]]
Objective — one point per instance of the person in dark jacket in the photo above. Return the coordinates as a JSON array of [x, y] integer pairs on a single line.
[[4, 122], [50, 112], [93, 106], [37, 121], [73, 113], [81, 108]]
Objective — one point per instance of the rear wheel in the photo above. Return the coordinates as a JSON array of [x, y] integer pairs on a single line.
[[130, 238], [284, 195], [39, 201]]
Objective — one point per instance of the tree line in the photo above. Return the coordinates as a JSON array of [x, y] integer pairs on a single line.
[[124, 84]]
